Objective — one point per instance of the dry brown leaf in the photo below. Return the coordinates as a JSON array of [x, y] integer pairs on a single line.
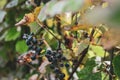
[[28, 18], [68, 40], [110, 39], [80, 27], [42, 68], [34, 77]]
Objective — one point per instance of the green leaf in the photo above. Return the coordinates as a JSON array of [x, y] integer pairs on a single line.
[[21, 46], [98, 50], [3, 53], [34, 27], [87, 74], [56, 7], [82, 46], [12, 34], [116, 65]]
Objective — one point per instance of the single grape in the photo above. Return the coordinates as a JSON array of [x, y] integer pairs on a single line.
[[38, 49], [33, 57], [63, 58], [28, 42], [61, 76], [30, 38], [67, 65], [49, 52], [30, 47], [50, 59], [61, 65], [34, 41], [52, 66], [58, 55], [56, 70]]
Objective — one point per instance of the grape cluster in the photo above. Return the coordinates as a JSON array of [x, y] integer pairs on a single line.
[[33, 44], [57, 60]]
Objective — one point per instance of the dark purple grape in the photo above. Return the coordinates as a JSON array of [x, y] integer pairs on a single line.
[[58, 55], [28, 42], [56, 70], [63, 58], [61, 76], [49, 52], [30, 38], [52, 66], [33, 57], [34, 47], [30, 47], [38, 49], [50, 59], [61, 65], [34, 41], [67, 65]]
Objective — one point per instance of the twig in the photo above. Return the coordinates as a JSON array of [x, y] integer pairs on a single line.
[[111, 66], [104, 56], [59, 45], [79, 62], [76, 23], [84, 52], [46, 28]]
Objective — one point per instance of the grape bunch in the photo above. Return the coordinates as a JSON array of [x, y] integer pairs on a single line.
[[33, 44], [57, 61]]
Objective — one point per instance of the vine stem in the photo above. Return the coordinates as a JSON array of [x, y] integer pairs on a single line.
[[111, 66], [46, 28], [79, 62], [84, 52]]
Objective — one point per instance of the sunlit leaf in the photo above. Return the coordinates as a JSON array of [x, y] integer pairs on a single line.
[[56, 7], [34, 27], [21, 46], [2, 3], [80, 27], [81, 46], [98, 50]]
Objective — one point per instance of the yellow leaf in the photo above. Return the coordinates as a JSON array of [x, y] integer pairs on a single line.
[[49, 22], [80, 27], [36, 11], [66, 18], [105, 4], [65, 72], [29, 18]]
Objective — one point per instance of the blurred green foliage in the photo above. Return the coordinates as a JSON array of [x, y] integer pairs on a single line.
[[12, 44]]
